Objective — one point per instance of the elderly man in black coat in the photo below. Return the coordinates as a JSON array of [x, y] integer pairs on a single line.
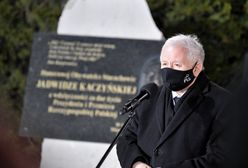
[[182, 124]]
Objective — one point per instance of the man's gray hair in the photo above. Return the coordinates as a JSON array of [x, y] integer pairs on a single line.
[[191, 43]]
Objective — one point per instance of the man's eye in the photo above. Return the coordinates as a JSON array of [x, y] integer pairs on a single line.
[[177, 65], [165, 64]]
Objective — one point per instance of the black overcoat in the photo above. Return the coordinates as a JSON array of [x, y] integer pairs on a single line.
[[191, 139]]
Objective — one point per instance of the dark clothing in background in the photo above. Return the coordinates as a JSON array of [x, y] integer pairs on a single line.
[[237, 129]]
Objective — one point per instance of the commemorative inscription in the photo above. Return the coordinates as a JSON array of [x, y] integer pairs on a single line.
[[77, 85]]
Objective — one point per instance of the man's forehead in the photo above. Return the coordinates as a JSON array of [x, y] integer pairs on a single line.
[[177, 47], [174, 53]]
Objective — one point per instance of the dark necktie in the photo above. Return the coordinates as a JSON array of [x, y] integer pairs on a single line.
[[173, 112], [176, 99]]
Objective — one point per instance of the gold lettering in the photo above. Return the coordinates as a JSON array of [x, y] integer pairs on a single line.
[[66, 111], [66, 96], [54, 84], [106, 113], [47, 73], [102, 106], [113, 99], [118, 78], [114, 129], [62, 103], [108, 88]]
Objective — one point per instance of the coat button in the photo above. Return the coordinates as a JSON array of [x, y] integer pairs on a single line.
[[156, 152]]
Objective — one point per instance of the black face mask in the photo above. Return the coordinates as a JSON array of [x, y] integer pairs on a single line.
[[177, 80]]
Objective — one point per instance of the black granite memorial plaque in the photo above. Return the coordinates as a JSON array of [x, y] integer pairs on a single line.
[[77, 85]]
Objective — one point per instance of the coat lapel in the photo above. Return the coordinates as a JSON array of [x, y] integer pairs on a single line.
[[160, 110]]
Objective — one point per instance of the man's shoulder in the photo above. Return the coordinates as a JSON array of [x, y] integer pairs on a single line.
[[160, 90], [218, 91]]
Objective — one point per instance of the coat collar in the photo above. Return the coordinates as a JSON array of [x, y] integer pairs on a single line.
[[192, 98]]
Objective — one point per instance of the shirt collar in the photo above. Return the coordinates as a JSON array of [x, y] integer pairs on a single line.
[[174, 94]]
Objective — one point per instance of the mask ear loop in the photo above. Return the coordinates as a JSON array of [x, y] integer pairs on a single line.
[[194, 67]]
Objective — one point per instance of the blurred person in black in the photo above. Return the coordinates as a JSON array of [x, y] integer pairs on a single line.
[[236, 132], [182, 125]]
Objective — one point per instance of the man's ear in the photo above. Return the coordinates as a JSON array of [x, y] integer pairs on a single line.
[[198, 68]]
